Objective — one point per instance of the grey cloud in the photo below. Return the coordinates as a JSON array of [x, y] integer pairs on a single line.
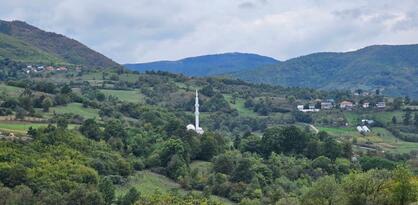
[[146, 30]]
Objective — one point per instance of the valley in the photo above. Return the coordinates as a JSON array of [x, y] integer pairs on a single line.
[[97, 133]]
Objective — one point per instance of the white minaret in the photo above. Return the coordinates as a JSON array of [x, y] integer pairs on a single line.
[[199, 130], [196, 110]]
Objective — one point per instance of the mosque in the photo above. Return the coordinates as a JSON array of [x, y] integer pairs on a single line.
[[196, 127]]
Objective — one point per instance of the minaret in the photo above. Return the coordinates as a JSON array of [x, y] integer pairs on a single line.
[[199, 130], [196, 112]]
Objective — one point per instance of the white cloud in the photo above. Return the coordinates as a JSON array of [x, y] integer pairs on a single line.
[[145, 30]]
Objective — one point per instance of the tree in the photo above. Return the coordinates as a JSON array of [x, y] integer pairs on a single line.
[[115, 128], [325, 191], [208, 147], [90, 129], [62, 122], [46, 104], [394, 120], [130, 198], [107, 189], [208, 91], [243, 172], [364, 188], [407, 117], [403, 188], [397, 103], [416, 120], [65, 89]]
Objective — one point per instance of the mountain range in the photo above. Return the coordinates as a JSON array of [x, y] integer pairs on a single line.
[[20, 41], [392, 68], [207, 65]]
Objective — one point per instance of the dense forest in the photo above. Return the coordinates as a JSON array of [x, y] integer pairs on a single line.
[[81, 137]]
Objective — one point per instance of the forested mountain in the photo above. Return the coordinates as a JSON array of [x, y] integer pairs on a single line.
[[392, 68], [207, 65], [20, 41]]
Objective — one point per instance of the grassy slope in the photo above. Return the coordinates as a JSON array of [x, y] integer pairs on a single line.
[[76, 108], [10, 90], [125, 95], [19, 127], [18, 50], [239, 105], [148, 182]]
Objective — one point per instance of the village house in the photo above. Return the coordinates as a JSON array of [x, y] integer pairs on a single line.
[[366, 105], [310, 108], [381, 105], [363, 129], [346, 105], [62, 68], [326, 105]]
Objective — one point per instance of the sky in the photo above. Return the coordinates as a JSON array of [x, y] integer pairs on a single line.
[[130, 31]]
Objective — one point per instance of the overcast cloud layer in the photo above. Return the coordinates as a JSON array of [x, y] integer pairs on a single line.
[[148, 30]]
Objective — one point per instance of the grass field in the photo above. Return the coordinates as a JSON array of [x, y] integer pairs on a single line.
[[18, 127], [125, 95], [148, 182], [390, 143], [76, 108], [340, 131], [384, 117], [239, 105], [21, 128], [10, 90]]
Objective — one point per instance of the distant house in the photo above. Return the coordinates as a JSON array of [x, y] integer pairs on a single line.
[[326, 105], [50, 68], [346, 105], [363, 129], [61, 68], [366, 105], [381, 105], [311, 108], [367, 122]]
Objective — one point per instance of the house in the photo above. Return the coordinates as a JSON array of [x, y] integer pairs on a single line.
[[61, 68], [366, 105], [311, 108], [367, 122], [327, 105], [363, 129], [346, 105], [50, 68], [381, 105]]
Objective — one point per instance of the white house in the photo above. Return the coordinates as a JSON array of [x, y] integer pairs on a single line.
[[381, 105]]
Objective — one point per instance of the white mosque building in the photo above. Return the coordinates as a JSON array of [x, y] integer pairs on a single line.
[[196, 127]]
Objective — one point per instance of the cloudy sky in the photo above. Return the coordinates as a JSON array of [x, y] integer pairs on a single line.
[[148, 30]]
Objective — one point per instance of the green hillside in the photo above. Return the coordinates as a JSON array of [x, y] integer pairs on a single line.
[[391, 68], [23, 42], [18, 50]]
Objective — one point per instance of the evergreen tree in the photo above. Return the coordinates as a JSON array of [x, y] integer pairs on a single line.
[[394, 120], [407, 117], [107, 189]]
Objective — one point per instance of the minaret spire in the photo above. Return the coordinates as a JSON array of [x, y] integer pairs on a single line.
[[196, 112], [196, 127]]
